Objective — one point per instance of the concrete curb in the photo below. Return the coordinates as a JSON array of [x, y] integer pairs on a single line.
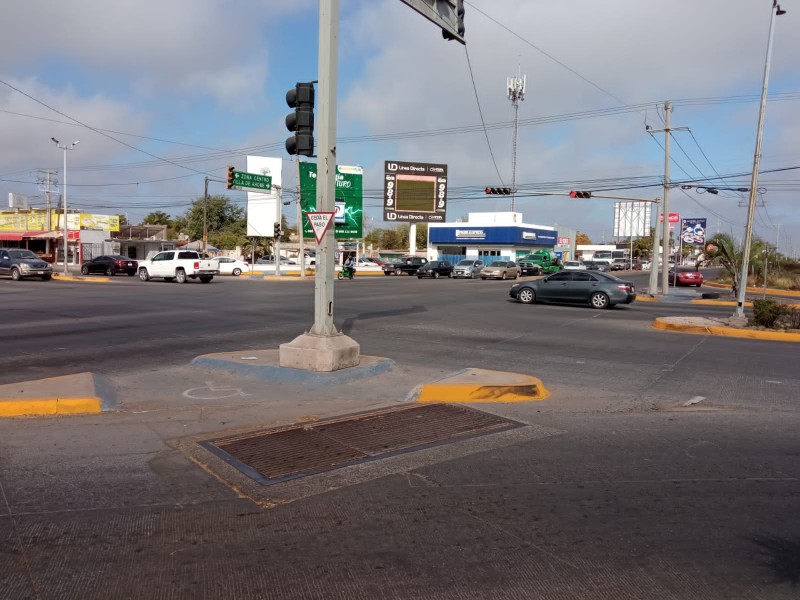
[[83, 393], [81, 278], [265, 364], [719, 302], [646, 299], [755, 290], [664, 324], [482, 386]]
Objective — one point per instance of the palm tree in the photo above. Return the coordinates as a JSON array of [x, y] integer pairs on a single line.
[[724, 250]]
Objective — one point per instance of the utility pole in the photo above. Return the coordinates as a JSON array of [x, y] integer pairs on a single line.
[[665, 253], [516, 92], [47, 217], [205, 218]]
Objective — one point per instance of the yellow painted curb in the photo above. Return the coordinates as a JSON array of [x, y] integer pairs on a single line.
[[481, 386], [646, 299], [757, 290], [32, 407], [719, 302], [753, 334], [77, 278]]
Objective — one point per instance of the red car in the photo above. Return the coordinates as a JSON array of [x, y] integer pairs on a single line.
[[685, 277]]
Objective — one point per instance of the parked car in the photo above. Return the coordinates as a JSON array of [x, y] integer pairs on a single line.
[[528, 268], [21, 262], [375, 261], [648, 264], [407, 264], [574, 265], [435, 269], [599, 290], [468, 268], [620, 264], [500, 269], [232, 266], [179, 265], [270, 260], [110, 265], [685, 276], [597, 266], [636, 265]]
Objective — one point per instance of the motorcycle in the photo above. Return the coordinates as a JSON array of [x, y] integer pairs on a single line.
[[345, 272]]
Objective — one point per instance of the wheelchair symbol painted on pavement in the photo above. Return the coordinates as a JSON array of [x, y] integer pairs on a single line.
[[211, 392]]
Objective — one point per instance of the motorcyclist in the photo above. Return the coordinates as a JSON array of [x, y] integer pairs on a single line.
[[350, 265]]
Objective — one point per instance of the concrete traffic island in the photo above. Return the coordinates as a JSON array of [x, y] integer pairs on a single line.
[[481, 385], [79, 394], [722, 327]]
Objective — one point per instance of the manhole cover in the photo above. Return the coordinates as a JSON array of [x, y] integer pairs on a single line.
[[275, 455]]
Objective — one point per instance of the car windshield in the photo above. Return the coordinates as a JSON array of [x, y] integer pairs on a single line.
[[498, 263], [465, 263], [22, 254]]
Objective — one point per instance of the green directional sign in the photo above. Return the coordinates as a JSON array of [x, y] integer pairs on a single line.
[[252, 180]]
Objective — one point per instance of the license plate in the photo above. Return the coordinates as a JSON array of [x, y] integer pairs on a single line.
[[633, 288]]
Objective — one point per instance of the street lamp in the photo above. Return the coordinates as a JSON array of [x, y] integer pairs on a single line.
[[751, 207], [64, 147]]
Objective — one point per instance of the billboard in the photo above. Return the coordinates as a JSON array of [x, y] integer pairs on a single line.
[[632, 219], [414, 192], [693, 232], [349, 201], [262, 207]]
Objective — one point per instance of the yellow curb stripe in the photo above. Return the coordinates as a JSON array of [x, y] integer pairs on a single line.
[[646, 299], [752, 334], [757, 290], [32, 407], [719, 302], [75, 278], [470, 392]]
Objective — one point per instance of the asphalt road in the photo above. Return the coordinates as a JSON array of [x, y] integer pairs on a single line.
[[662, 466]]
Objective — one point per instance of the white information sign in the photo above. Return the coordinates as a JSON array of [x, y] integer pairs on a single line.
[[320, 221]]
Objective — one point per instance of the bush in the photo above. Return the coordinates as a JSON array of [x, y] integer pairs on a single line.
[[791, 317], [766, 312]]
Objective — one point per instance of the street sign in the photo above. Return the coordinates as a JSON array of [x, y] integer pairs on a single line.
[[320, 221], [673, 217], [252, 180]]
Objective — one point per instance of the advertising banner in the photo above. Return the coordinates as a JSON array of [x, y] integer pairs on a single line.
[[98, 222], [414, 192], [262, 207], [694, 232], [631, 219], [349, 218]]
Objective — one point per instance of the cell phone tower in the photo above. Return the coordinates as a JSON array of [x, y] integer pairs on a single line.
[[516, 92]]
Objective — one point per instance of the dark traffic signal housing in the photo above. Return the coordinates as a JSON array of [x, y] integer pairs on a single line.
[[580, 194], [504, 191], [230, 177], [459, 22], [301, 121], [277, 230]]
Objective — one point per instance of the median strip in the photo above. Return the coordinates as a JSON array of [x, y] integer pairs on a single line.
[[705, 326]]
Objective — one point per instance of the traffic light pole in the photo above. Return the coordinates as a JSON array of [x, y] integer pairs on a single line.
[[323, 348]]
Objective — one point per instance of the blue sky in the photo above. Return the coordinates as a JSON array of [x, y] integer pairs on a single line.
[[181, 89]]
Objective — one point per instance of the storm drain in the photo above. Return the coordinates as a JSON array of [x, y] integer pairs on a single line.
[[276, 455]]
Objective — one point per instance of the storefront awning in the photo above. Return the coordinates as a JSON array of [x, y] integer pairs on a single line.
[[11, 236], [51, 235]]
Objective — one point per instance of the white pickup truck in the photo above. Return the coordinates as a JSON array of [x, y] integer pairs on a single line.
[[180, 265]]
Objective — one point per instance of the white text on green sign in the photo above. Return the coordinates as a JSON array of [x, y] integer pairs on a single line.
[[252, 180]]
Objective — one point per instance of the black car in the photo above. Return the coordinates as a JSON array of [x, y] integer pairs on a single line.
[[598, 289], [21, 262], [110, 265], [435, 269]]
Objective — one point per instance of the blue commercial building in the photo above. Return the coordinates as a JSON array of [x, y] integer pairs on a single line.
[[488, 236]]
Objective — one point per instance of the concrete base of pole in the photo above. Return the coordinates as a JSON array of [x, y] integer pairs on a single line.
[[320, 353]]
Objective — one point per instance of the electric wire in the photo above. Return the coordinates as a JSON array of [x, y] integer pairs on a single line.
[[480, 112]]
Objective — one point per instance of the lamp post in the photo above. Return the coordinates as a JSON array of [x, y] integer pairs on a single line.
[[64, 147], [751, 206]]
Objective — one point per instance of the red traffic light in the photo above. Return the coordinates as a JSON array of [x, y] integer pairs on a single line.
[[580, 194], [502, 191]]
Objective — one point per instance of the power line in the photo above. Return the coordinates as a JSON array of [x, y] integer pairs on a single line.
[[480, 112]]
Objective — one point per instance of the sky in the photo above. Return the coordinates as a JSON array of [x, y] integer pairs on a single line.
[[162, 94]]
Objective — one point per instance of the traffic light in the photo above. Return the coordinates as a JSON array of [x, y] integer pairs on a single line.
[[230, 177], [580, 194], [301, 121], [277, 230], [459, 22], [502, 191]]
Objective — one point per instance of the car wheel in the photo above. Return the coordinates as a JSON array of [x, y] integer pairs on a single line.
[[46, 277], [131, 273], [526, 296], [699, 284], [450, 275], [505, 275], [206, 278], [168, 279], [15, 274], [84, 270], [419, 276], [237, 272], [436, 274], [398, 272], [110, 271], [180, 276], [144, 275], [599, 300], [516, 275]]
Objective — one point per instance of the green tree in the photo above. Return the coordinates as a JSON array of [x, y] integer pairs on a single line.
[[218, 211], [727, 252], [582, 238], [157, 218]]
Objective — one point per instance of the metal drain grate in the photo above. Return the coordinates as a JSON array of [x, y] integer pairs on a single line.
[[275, 455]]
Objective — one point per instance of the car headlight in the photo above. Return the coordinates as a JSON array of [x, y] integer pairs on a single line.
[[24, 267], [516, 285]]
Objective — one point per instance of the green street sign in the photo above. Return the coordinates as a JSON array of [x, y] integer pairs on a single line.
[[252, 180]]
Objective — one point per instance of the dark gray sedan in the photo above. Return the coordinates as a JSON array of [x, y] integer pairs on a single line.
[[599, 290]]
